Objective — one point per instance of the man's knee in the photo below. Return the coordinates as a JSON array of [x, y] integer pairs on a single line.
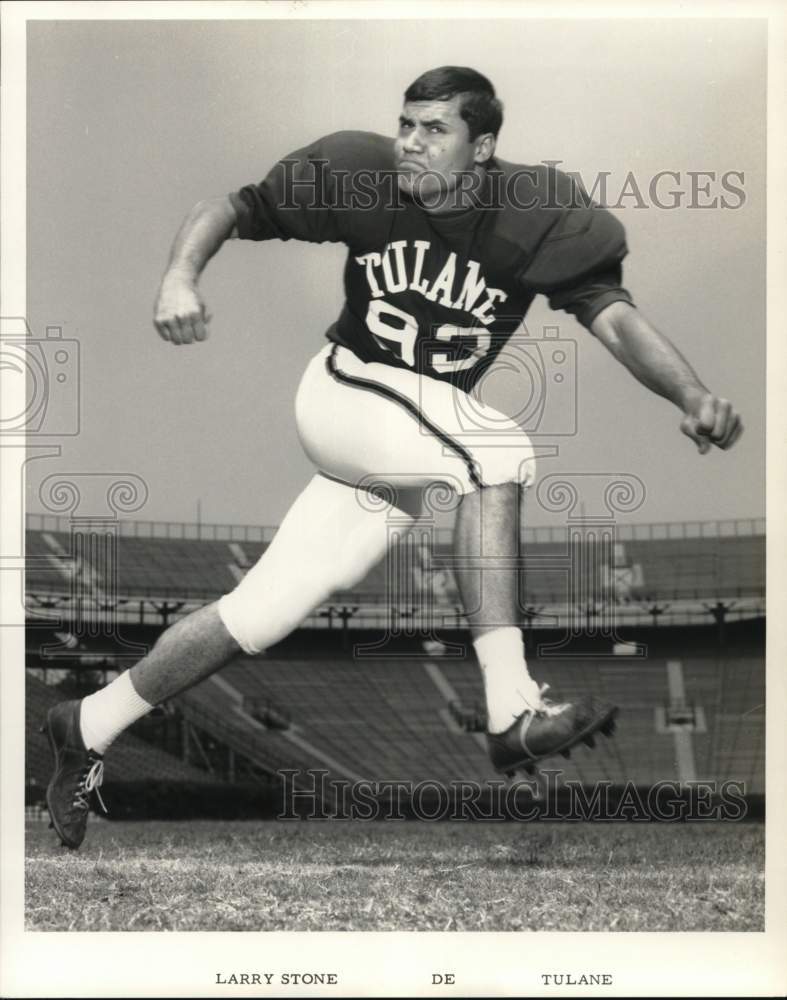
[[262, 609], [241, 619], [515, 463]]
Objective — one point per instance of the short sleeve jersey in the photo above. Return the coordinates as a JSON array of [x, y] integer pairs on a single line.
[[440, 293]]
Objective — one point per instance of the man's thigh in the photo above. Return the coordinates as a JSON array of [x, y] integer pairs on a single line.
[[369, 423]]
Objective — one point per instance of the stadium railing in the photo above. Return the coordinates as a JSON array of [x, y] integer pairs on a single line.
[[168, 568], [726, 528]]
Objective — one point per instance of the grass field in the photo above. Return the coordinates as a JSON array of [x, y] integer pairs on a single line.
[[314, 876]]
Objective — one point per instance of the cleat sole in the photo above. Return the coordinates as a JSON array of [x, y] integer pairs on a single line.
[[606, 726]]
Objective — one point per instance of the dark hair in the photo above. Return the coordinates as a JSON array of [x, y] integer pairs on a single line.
[[479, 107]]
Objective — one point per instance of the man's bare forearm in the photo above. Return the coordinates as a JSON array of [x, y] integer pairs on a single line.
[[650, 356], [179, 313], [659, 365], [202, 233]]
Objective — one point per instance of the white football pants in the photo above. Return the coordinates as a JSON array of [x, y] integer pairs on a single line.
[[375, 433]]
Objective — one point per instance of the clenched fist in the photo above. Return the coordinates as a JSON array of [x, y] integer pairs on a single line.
[[179, 314], [711, 420]]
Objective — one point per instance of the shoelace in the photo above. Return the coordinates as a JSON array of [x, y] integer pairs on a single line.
[[548, 707], [91, 781]]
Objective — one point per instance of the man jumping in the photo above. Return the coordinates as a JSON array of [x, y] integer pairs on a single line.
[[447, 248]]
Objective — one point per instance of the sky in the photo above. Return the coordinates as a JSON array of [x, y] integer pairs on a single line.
[[130, 123]]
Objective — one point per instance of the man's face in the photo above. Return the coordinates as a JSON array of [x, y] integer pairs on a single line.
[[433, 148]]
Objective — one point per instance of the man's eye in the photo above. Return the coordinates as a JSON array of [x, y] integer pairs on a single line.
[[435, 128]]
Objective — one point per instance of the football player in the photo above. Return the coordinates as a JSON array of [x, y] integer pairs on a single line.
[[447, 247]]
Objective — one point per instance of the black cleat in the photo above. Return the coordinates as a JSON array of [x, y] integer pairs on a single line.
[[78, 772], [552, 729], [609, 726]]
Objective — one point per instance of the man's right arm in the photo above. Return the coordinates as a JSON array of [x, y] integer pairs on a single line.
[[297, 200], [180, 315]]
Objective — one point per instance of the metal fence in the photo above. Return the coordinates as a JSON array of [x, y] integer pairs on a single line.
[[178, 530], [183, 530]]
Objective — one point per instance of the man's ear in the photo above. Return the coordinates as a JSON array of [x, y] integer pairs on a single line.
[[484, 147]]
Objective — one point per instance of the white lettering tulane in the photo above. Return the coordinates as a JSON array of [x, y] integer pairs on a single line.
[[444, 283], [482, 311], [400, 283], [472, 287], [418, 285], [371, 260], [388, 272]]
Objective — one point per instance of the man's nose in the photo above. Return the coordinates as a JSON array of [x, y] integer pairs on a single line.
[[413, 142]]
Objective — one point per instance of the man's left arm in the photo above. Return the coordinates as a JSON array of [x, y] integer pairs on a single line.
[[656, 363]]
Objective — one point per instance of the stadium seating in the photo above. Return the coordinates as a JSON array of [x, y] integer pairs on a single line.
[[733, 693], [377, 720], [212, 710], [149, 566], [701, 567], [387, 720], [390, 718], [720, 567]]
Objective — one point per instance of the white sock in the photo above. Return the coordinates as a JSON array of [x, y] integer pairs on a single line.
[[105, 714], [509, 687]]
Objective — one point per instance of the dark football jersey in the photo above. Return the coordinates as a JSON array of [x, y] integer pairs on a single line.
[[440, 293]]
